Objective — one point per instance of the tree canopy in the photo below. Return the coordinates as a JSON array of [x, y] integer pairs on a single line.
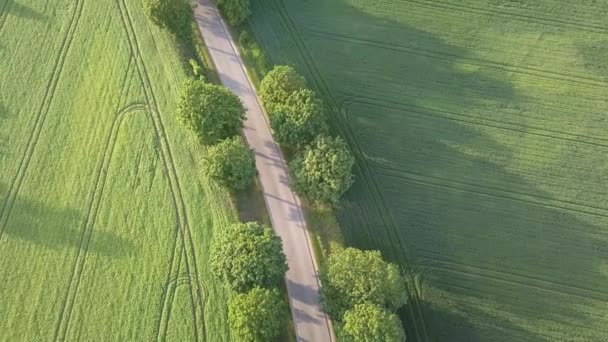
[[246, 255], [371, 323], [211, 111], [230, 163], [257, 316], [299, 120], [172, 15], [278, 85], [235, 11], [323, 171], [352, 276]]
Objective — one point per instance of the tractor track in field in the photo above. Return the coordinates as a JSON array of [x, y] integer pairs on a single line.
[[557, 76], [519, 280], [196, 291], [467, 9], [365, 172], [6, 7], [40, 117], [452, 116], [458, 186]]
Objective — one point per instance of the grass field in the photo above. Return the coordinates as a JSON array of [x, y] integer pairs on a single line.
[[481, 137], [105, 222]]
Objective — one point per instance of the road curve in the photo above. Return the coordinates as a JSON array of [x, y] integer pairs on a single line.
[[311, 323]]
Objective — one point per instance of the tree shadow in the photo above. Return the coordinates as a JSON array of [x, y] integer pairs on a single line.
[[57, 228], [595, 56], [437, 179], [20, 10]]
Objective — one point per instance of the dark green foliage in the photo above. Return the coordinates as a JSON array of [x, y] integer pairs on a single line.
[[352, 276], [278, 85], [235, 11], [323, 171], [257, 316], [230, 163], [371, 323], [246, 255], [172, 15], [300, 120], [211, 111]]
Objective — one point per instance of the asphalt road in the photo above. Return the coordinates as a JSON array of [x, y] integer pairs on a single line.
[[284, 208]]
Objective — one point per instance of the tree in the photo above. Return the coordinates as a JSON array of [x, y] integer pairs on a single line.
[[257, 316], [235, 11], [246, 255], [230, 163], [352, 276], [278, 84], [299, 120], [172, 15], [371, 323], [323, 171], [211, 111]]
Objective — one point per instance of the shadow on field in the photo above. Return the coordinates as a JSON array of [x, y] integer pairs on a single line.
[[23, 11], [58, 228], [596, 58], [501, 259]]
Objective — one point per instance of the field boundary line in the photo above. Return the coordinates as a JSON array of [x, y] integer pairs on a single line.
[[384, 213], [170, 170], [40, 117], [461, 59]]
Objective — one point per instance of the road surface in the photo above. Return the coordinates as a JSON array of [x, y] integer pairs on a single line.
[[311, 323]]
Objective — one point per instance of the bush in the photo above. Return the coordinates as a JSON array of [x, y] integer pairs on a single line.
[[230, 163], [371, 323], [244, 39], [300, 120], [257, 316], [211, 111], [323, 171], [246, 255], [197, 69], [278, 85], [235, 11], [172, 15], [351, 276]]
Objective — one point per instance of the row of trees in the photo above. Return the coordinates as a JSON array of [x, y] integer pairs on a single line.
[[322, 167]]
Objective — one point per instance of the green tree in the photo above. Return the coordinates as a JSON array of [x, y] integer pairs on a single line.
[[235, 11], [172, 15], [371, 323], [300, 120], [323, 171], [246, 255], [352, 276], [230, 163], [257, 316], [211, 111], [278, 84]]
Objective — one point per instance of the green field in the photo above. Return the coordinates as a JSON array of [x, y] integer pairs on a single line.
[[481, 136], [105, 221]]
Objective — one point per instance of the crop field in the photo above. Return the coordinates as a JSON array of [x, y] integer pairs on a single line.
[[481, 138], [105, 222]]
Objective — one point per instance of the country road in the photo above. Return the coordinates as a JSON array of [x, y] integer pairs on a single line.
[[311, 323]]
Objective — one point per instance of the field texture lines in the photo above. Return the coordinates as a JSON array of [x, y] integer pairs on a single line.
[[40, 116], [479, 132], [93, 192]]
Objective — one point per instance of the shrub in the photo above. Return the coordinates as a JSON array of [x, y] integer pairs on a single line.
[[235, 11], [211, 111], [244, 39], [352, 276], [197, 69], [172, 15], [257, 316], [230, 163], [371, 323], [278, 85], [246, 255], [323, 171], [300, 120]]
